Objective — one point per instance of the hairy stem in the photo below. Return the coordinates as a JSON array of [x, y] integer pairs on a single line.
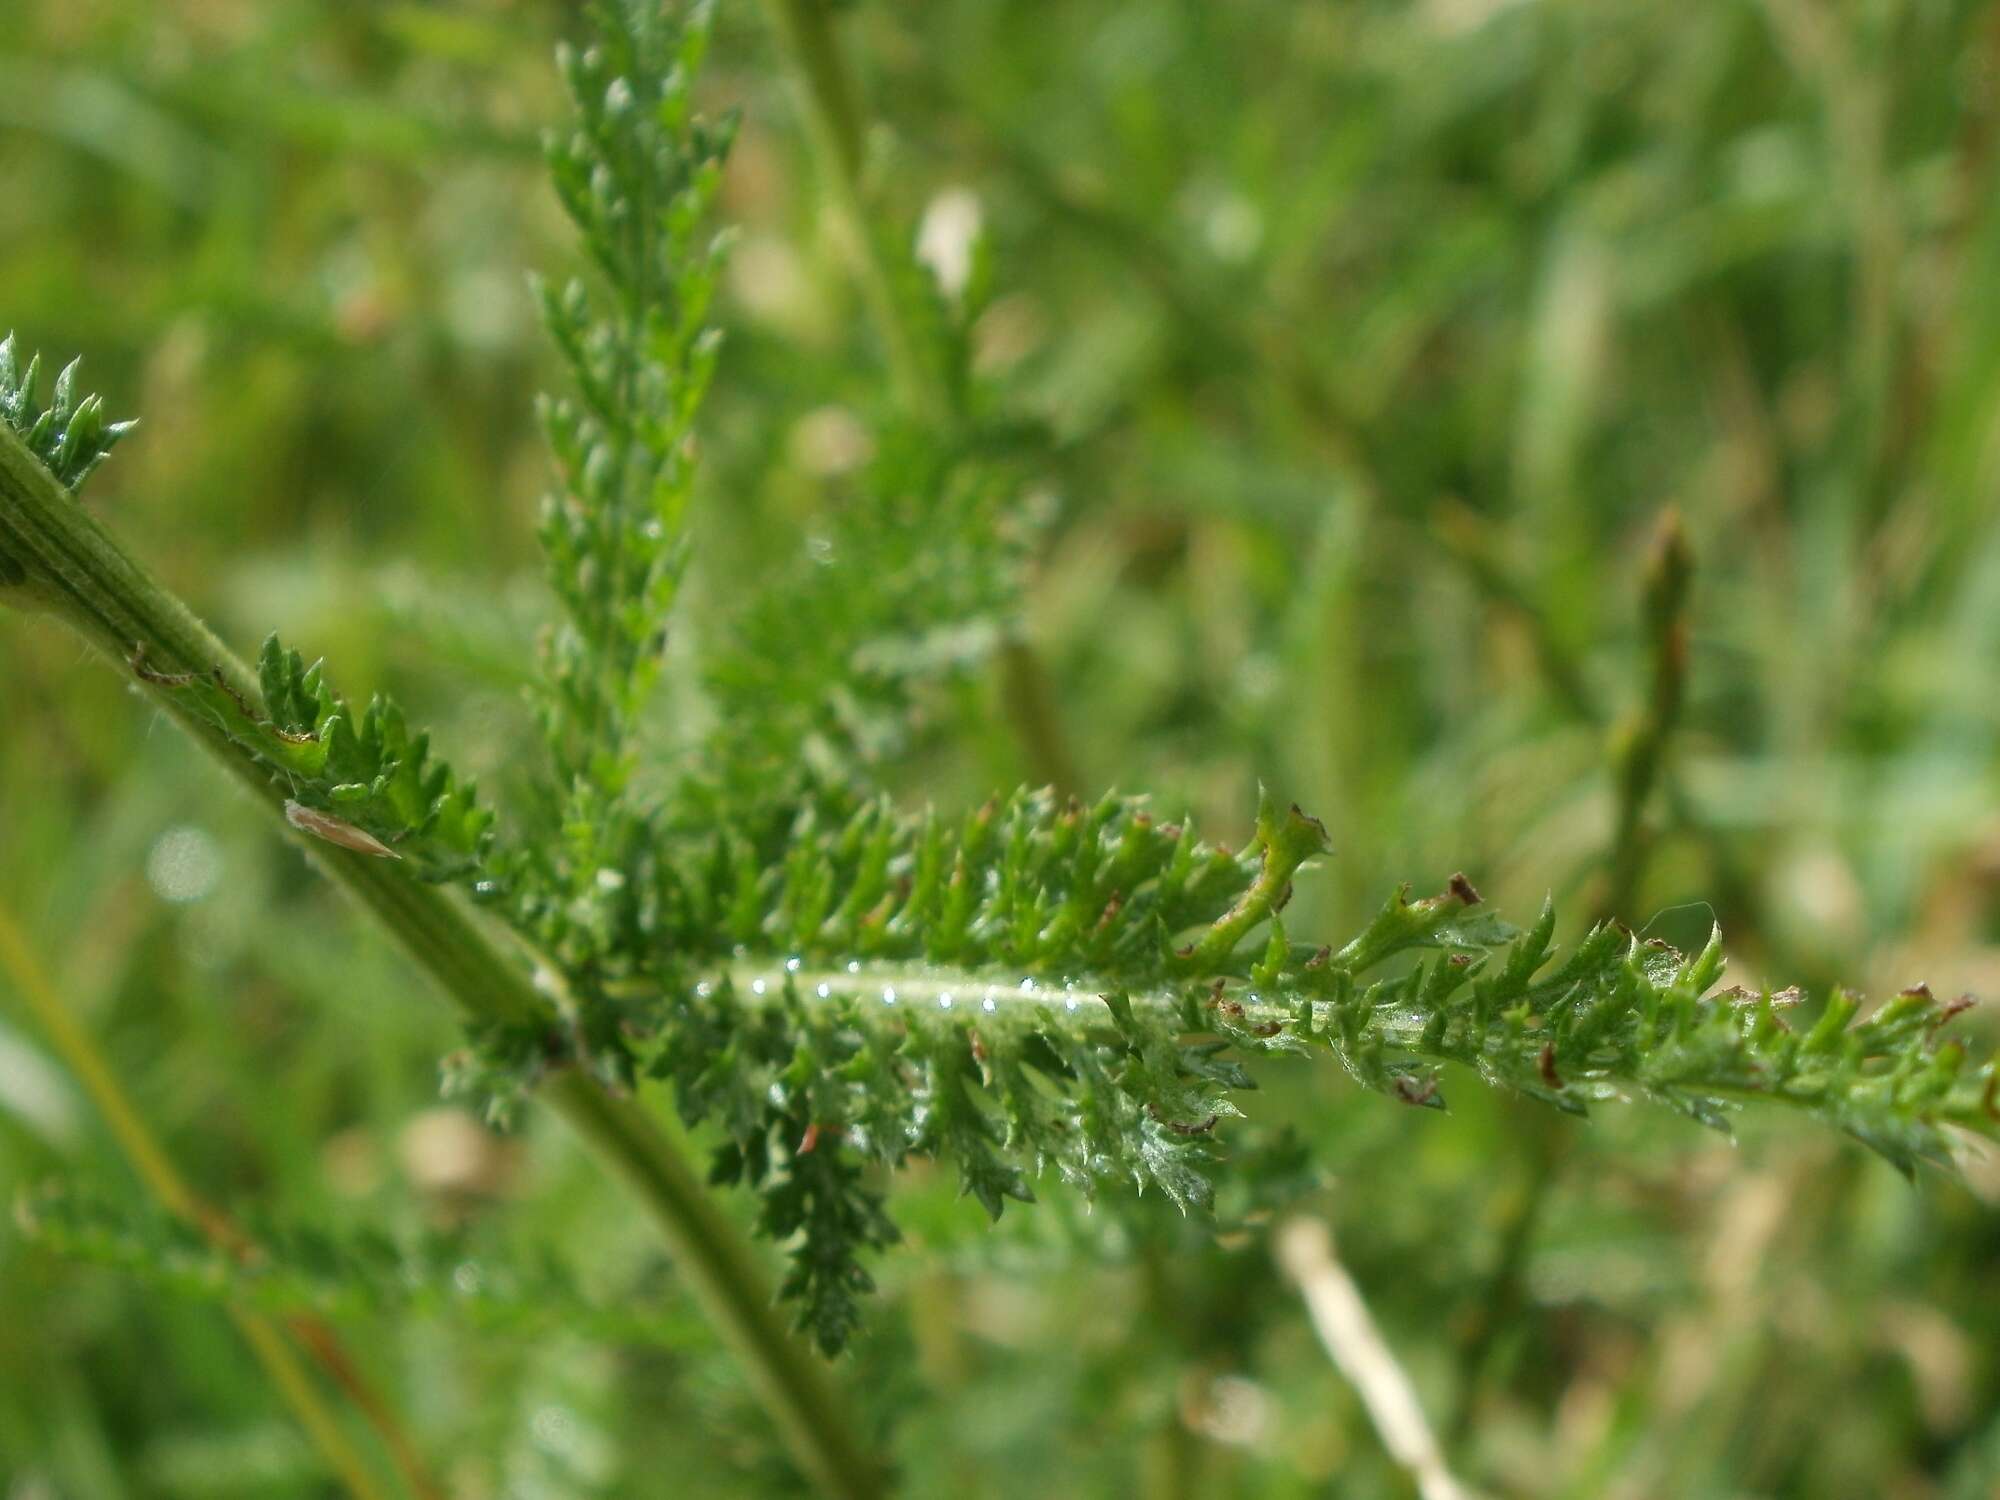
[[70, 566]]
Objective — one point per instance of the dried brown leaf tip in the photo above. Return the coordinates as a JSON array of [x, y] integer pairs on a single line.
[[809, 1142], [1953, 1008], [1463, 889], [334, 830], [1183, 1127], [1111, 910], [1418, 1091]]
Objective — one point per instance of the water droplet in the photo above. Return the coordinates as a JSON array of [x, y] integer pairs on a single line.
[[704, 989], [554, 1428], [854, 966], [888, 994], [944, 1001], [988, 1004], [823, 990], [184, 865], [757, 986], [791, 966], [830, 441], [947, 236], [1027, 986]]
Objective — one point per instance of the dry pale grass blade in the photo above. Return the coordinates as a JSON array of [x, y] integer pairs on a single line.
[[1340, 1317]]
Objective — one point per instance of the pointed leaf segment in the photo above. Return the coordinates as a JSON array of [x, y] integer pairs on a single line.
[[364, 780], [70, 435]]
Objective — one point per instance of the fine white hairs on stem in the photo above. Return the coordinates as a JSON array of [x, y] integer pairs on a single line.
[[1304, 1248]]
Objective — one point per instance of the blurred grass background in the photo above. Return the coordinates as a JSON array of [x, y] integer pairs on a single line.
[[1375, 340]]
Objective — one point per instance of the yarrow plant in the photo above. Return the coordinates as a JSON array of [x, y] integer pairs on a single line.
[[831, 982]]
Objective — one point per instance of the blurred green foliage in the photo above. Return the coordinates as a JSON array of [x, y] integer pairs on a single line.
[[1375, 339]]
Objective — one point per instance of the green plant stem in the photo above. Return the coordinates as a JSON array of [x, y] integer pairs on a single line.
[[1474, 544], [157, 1172], [832, 103], [711, 1256], [1503, 1294], [1237, 338], [71, 567], [1170, 1463], [285, 1371], [833, 113], [1638, 752], [1637, 756], [1030, 701], [1639, 746]]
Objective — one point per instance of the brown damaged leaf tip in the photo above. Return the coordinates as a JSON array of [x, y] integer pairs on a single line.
[[1547, 1063], [1111, 910], [1181, 1127], [1463, 889], [1953, 1008], [809, 1142], [1412, 1092]]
